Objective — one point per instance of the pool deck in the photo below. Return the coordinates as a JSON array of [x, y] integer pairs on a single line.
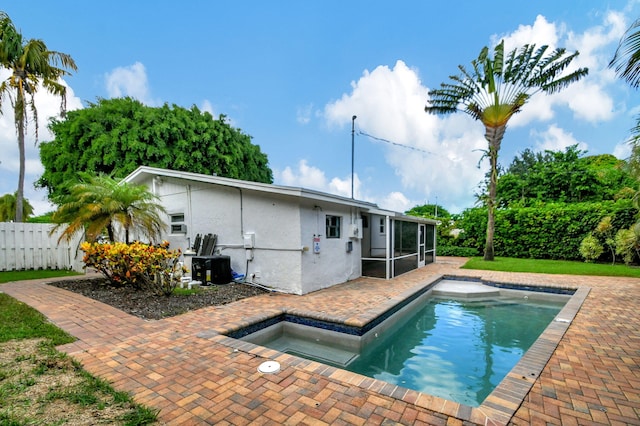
[[193, 374]]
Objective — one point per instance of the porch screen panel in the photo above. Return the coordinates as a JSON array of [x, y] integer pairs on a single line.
[[430, 243], [430, 246], [406, 238]]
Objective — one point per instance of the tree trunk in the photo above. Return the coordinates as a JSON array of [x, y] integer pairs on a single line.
[[494, 136], [20, 118]]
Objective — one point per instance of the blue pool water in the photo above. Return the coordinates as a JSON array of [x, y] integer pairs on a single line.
[[458, 350]]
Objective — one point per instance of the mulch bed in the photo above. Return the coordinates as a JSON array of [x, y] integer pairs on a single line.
[[147, 305]]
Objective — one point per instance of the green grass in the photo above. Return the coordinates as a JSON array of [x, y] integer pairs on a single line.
[[19, 321], [8, 276], [507, 264]]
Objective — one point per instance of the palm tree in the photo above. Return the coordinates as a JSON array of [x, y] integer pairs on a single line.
[[8, 207], [626, 62], [31, 63], [100, 203], [497, 88]]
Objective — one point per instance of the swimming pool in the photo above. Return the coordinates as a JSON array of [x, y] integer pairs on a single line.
[[457, 340]]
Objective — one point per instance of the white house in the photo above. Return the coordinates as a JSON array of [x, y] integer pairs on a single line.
[[295, 240]]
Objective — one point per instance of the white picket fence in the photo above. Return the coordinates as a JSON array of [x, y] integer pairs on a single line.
[[25, 246]]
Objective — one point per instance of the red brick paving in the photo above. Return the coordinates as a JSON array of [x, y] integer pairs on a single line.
[[194, 375]]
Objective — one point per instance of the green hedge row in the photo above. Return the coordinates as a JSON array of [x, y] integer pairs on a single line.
[[551, 231]]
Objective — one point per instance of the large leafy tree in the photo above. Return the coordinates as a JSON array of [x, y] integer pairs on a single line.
[[32, 65], [115, 136], [101, 203], [8, 208], [494, 89], [429, 211], [561, 176]]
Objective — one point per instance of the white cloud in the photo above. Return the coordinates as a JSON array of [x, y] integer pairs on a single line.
[[303, 114], [206, 106], [396, 201], [311, 177], [305, 176], [622, 150], [441, 154], [542, 32], [130, 81], [556, 139]]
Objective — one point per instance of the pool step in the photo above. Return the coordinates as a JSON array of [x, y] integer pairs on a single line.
[[455, 288]]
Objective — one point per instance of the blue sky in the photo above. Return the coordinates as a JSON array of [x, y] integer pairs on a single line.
[[293, 73]]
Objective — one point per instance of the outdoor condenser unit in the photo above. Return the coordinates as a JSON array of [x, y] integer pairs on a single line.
[[211, 269]]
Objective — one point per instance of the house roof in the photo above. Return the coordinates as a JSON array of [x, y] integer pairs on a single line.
[[144, 172]]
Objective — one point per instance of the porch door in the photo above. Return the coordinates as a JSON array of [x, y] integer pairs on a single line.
[[421, 244]]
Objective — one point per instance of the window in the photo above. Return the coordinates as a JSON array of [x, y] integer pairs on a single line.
[[333, 226], [382, 220], [177, 224]]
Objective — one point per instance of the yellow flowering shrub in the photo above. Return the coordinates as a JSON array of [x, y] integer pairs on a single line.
[[138, 264]]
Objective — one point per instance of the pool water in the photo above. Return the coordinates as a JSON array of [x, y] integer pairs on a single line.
[[459, 350], [457, 339]]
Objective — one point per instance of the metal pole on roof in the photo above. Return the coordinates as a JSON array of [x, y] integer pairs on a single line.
[[353, 124]]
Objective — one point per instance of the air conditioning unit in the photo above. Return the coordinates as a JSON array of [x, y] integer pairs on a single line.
[[211, 269], [179, 228]]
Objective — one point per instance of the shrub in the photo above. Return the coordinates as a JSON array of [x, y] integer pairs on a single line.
[[627, 245], [457, 251], [590, 248], [137, 264]]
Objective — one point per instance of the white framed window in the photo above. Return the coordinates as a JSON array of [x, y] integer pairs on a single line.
[[382, 222], [177, 225], [333, 226]]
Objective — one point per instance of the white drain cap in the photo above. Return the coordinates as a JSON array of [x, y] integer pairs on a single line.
[[269, 367]]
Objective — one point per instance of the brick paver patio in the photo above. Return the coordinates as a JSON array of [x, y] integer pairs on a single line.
[[186, 368]]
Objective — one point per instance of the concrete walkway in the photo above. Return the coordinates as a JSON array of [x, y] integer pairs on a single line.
[[185, 367]]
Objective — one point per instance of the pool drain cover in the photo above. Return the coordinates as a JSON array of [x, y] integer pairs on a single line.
[[269, 367]]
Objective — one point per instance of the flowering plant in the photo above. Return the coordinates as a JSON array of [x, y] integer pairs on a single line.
[[138, 264]]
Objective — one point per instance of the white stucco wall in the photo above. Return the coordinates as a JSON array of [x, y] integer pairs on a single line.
[[230, 213], [333, 264]]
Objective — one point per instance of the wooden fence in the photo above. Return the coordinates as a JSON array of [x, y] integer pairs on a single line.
[[26, 246]]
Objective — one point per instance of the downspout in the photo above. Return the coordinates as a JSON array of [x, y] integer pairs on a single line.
[[190, 215], [241, 213]]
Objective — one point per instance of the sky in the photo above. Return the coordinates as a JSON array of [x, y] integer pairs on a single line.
[[292, 74]]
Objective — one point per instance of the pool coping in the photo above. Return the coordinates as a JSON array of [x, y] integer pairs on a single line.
[[498, 408]]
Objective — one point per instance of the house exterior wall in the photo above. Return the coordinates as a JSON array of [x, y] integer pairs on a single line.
[[282, 222], [283, 229], [333, 264]]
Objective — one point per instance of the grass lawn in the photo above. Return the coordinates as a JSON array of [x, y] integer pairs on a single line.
[[508, 264], [40, 385], [8, 276]]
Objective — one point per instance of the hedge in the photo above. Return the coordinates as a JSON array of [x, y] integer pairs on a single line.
[[550, 231]]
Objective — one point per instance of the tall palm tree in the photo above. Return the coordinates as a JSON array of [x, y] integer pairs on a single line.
[[494, 90], [100, 203], [31, 64], [626, 62], [8, 208]]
